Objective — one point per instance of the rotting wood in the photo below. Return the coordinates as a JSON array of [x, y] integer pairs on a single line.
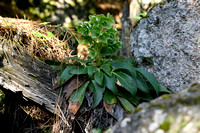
[[21, 72]]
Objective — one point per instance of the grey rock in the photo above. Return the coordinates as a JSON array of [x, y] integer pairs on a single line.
[[177, 113], [170, 35]]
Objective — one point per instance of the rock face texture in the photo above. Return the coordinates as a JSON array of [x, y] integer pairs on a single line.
[[170, 35], [178, 113]]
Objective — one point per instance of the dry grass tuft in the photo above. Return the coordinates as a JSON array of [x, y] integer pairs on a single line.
[[61, 123], [38, 39]]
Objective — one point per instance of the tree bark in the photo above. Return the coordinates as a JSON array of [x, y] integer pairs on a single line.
[[21, 72], [125, 33]]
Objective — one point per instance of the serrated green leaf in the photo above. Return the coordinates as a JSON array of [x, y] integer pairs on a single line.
[[86, 23], [118, 45], [93, 19], [98, 76], [78, 26], [95, 32], [106, 23], [76, 59], [98, 93], [106, 51], [111, 41], [110, 83], [85, 30], [150, 77], [127, 82], [79, 94], [109, 97], [103, 38], [91, 70], [112, 32], [106, 69], [126, 104], [141, 83], [78, 70], [65, 76]]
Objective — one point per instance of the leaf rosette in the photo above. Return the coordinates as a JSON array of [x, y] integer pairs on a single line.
[[110, 79]]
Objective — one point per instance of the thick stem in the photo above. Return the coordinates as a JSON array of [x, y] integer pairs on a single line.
[[98, 56]]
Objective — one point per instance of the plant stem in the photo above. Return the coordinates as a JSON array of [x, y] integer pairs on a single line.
[[98, 56]]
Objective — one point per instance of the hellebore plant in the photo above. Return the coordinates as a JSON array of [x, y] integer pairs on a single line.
[[110, 78]]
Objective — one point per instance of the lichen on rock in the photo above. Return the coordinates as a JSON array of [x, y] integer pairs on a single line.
[[177, 113]]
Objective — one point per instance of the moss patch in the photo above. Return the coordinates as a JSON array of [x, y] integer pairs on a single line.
[[167, 123], [159, 106], [166, 96], [137, 110]]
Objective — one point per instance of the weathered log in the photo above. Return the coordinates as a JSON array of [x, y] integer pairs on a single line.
[[21, 72]]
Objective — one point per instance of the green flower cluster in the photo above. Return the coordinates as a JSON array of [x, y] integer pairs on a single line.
[[100, 34]]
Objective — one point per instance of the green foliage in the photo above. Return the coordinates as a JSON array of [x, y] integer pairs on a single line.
[[110, 83], [95, 130], [141, 15], [109, 97], [40, 35], [98, 76], [78, 95], [101, 36], [127, 82], [111, 79], [97, 92], [66, 75], [126, 104], [50, 34]]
